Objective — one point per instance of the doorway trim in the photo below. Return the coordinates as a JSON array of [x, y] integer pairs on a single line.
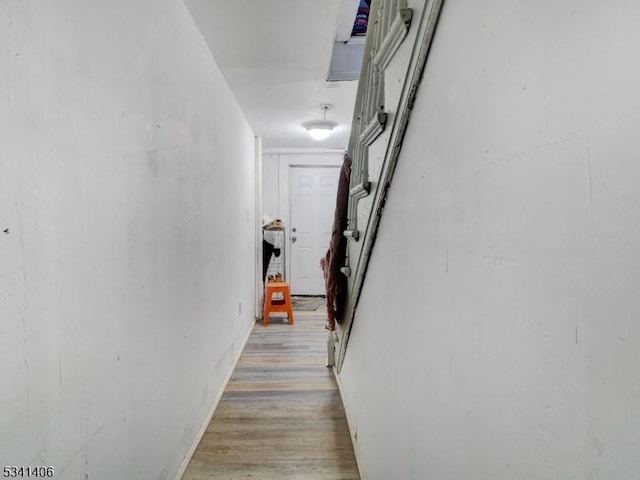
[[289, 262], [277, 163], [259, 285]]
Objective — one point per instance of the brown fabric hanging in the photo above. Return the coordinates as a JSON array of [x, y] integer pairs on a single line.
[[335, 281]]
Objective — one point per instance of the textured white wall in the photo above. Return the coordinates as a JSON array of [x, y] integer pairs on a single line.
[[497, 336], [127, 273]]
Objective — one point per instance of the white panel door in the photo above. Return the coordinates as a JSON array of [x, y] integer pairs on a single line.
[[313, 201]]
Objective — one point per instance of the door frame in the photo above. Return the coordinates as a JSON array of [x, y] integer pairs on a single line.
[[285, 159], [259, 281], [289, 224]]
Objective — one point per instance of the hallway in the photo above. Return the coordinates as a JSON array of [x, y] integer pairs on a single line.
[[492, 260], [281, 415]]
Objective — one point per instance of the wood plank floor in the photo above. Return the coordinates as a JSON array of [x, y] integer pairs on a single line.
[[281, 416]]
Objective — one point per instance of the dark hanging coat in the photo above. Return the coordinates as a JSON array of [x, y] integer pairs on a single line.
[[335, 281]]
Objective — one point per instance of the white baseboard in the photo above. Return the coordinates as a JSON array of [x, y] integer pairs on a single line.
[[356, 448], [192, 450]]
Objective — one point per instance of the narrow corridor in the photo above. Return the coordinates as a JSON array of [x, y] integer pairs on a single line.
[[281, 416]]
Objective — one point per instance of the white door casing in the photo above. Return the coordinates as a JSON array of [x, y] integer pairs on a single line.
[[313, 199]]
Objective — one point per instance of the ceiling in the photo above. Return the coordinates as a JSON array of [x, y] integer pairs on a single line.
[[275, 55]]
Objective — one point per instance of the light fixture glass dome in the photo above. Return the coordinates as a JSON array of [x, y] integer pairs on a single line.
[[319, 130]]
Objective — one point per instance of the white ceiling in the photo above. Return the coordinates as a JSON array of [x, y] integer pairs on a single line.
[[275, 55]]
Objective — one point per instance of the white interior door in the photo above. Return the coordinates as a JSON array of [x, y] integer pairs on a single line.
[[313, 201]]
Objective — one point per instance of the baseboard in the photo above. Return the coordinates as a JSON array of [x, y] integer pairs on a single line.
[[192, 450], [356, 450]]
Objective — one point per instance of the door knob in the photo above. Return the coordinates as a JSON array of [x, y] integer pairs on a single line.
[[293, 239], [294, 229]]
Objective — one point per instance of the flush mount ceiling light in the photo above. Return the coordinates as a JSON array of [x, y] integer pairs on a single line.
[[321, 129]]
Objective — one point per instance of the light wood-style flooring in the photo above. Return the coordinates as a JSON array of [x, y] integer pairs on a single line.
[[281, 416]]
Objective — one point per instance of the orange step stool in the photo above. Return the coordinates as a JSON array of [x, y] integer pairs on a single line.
[[271, 305]]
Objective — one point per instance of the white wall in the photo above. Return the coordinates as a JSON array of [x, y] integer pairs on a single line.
[[497, 335], [127, 273], [271, 186]]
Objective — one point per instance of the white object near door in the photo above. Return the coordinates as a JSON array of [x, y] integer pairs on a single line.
[[313, 200]]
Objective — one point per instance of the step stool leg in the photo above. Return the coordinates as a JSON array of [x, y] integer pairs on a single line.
[[267, 307], [289, 306]]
